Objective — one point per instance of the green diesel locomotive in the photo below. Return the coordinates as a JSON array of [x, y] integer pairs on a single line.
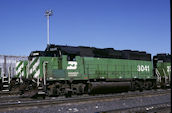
[[67, 70], [162, 70]]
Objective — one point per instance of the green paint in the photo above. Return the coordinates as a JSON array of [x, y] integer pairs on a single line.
[[166, 66], [93, 68]]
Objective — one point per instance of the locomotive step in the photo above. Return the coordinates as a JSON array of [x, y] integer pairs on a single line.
[[4, 77], [40, 87], [158, 86], [168, 85], [41, 92], [5, 86], [5, 81], [5, 90]]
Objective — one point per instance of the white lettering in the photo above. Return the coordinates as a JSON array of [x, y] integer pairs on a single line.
[[168, 68], [143, 68], [72, 74]]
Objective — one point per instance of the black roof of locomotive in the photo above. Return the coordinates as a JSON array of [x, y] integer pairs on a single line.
[[53, 50], [163, 57]]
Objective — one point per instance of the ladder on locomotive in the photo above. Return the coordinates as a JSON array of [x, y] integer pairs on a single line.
[[42, 85], [6, 81]]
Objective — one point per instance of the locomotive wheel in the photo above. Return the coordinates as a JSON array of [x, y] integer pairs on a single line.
[[150, 85], [14, 86], [139, 85], [133, 86], [146, 85], [136, 85], [58, 93], [68, 93], [89, 89], [80, 89], [52, 91]]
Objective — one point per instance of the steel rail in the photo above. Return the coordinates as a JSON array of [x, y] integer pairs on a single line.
[[142, 109], [78, 99]]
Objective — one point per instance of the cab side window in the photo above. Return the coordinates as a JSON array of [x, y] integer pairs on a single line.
[[71, 58]]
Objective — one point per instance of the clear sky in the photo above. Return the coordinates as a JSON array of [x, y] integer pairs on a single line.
[[142, 25]]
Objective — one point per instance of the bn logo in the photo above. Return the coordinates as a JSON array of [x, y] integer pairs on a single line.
[[72, 65]]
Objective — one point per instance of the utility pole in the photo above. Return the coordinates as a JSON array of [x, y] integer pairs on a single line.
[[48, 13]]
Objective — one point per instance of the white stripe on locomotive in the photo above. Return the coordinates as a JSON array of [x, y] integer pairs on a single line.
[[19, 70], [34, 68], [36, 75], [33, 59]]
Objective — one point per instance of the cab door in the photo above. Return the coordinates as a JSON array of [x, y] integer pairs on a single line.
[[72, 67]]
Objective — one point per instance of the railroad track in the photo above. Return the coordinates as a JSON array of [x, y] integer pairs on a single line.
[[155, 108], [20, 103], [8, 93], [12, 99]]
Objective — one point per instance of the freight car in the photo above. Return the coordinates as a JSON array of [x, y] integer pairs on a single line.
[[162, 69], [7, 70], [67, 70]]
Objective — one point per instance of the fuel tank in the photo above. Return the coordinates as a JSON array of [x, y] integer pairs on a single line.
[[108, 87]]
